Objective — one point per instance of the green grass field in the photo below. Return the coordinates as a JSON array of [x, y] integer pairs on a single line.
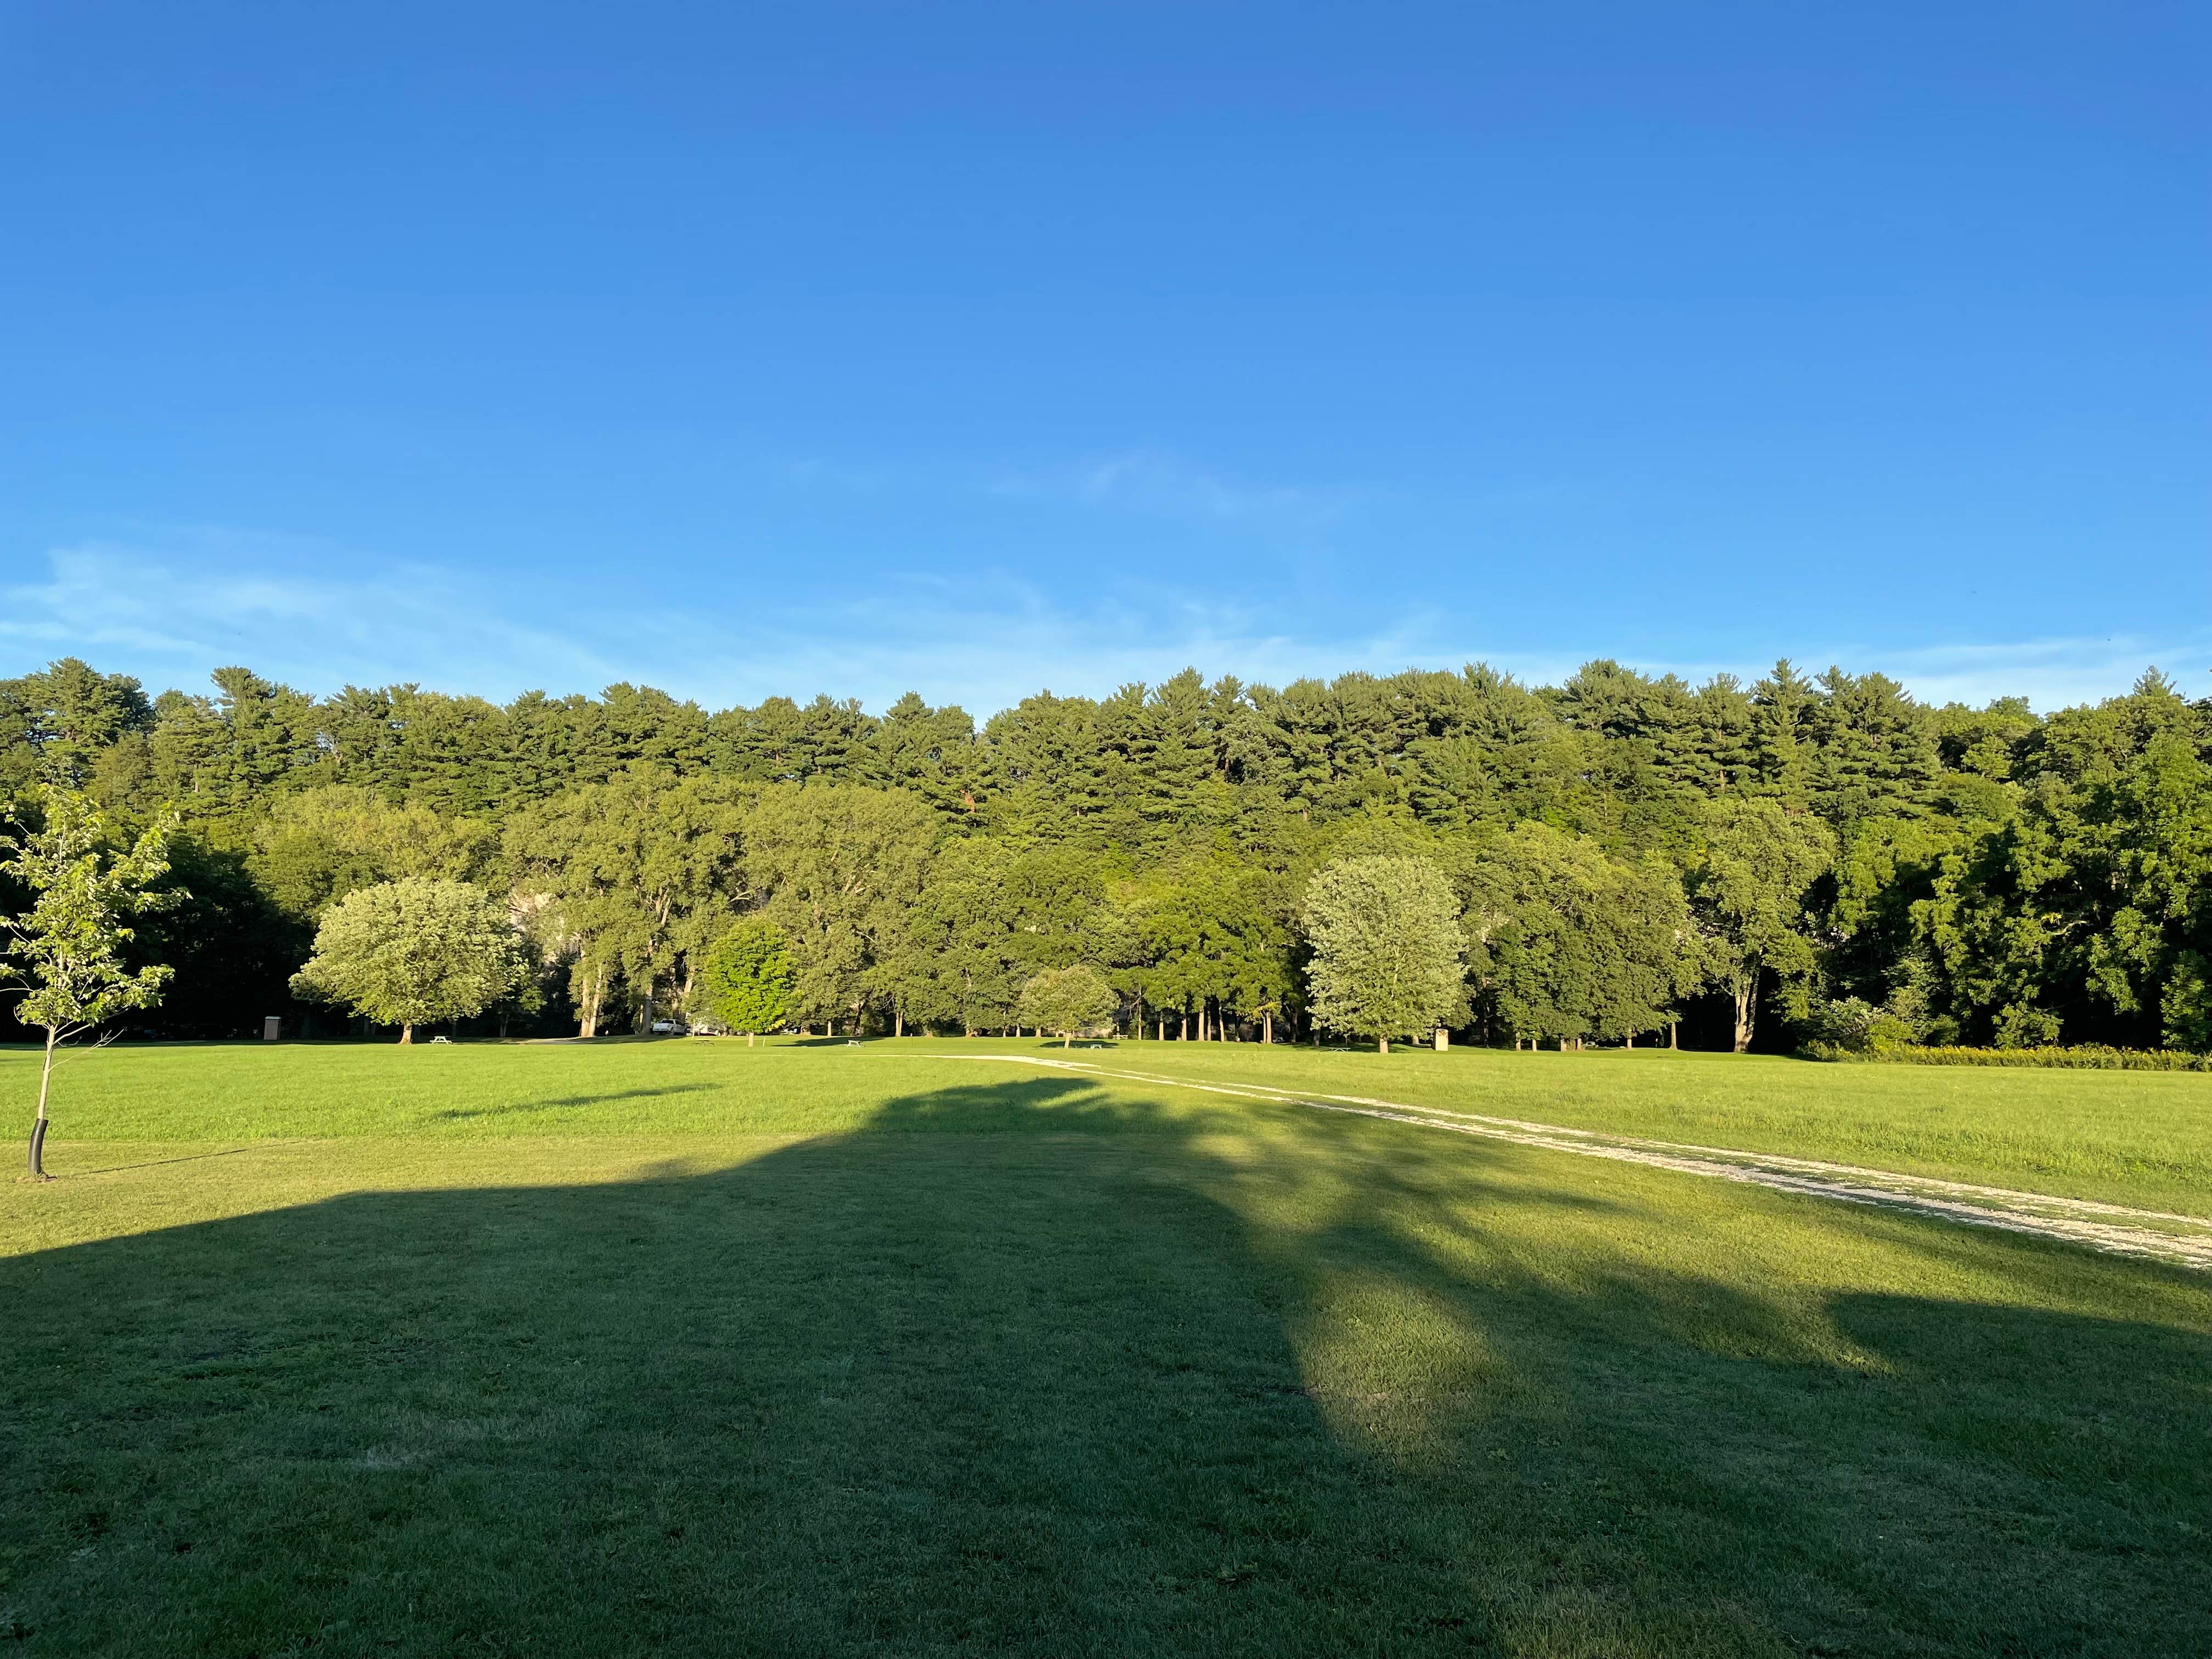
[[682, 1346], [2137, 1138]]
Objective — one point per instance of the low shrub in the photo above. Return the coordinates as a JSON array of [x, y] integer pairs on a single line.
[[2085, 1057]]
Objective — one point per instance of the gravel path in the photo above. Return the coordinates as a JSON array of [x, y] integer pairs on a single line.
[[2155, 1235]]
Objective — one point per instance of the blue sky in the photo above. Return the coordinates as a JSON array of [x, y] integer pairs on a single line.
[[979, 348]]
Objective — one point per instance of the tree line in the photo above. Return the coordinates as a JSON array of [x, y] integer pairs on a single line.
[[1624, 858]]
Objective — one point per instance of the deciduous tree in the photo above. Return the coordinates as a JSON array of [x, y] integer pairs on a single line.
[[1068, 1001], [1566, 942], [66, 950], [643, 872], [1388, 951], [413, 953], [747, 980], [1751, 883], [840, 867]]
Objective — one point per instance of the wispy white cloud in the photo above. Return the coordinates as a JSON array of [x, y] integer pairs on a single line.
[[2051, 673], [179, 616], [170, 612], [1161, 486], [171, 617]]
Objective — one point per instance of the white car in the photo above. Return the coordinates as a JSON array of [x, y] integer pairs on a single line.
[[666, 1027]]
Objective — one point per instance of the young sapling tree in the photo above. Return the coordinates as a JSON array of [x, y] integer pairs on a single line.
[[65, 951]]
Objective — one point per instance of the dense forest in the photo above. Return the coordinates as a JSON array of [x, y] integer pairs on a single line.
[[1760, 864]]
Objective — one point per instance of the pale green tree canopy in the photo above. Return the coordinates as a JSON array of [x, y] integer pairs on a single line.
[[413, 953], [66, 951], [1067, 1001], [1387, 949], [747, 978]]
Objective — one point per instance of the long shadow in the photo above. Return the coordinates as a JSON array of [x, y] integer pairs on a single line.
[[571, 1101], [1133, 1387]]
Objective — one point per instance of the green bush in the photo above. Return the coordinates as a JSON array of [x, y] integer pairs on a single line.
[[1858, 1028], [2088, 1057]]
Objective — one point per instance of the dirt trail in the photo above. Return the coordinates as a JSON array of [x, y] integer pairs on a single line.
[[2156, 1234]]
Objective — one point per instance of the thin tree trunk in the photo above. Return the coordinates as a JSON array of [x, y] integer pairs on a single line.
[[1382, 1045], [1067, 1039], [898, 1021], [594, 992], [1631, 1043], [1746, 1011], [1671, 1025], [38, 1165], [407, 1034], [1267, 1027], [748, 1039]]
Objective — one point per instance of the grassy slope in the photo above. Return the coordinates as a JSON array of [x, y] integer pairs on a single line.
[[682, 1348], [2135, 1138]]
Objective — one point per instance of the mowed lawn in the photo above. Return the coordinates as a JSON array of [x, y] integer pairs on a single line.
[[685, 1347], [2137, 1138]]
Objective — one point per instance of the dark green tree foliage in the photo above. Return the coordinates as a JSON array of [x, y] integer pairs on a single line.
[[633, 877], [2087, 910], [840, 868], [316, 847], [71, 726], [955, 961], [1567, 942], [1996, 876], [1751, 881], [233, 945], [1211, 937]]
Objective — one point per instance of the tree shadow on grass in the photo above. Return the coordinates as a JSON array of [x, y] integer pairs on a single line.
[[506, 1107], [1147, 1384]]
